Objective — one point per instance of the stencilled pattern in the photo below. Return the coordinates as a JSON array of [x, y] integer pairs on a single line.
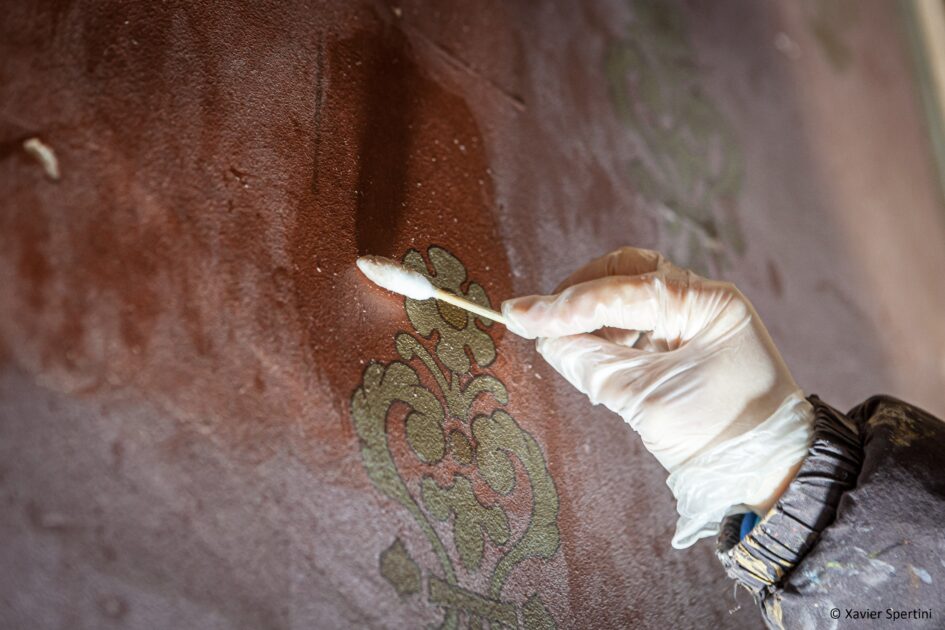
[[687, 164], [499, 501]]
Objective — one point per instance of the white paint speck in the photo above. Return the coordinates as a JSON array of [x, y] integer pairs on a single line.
[[876, 573], [43, 154], [922, 574], [787, 46]]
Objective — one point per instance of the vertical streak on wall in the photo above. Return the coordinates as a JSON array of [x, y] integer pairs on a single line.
[[924, 22]]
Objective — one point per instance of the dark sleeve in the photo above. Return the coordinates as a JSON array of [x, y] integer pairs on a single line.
[[860, 532]]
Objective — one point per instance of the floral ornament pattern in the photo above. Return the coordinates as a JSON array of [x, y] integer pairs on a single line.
[[457, 328], [499, 496], [687, 164]]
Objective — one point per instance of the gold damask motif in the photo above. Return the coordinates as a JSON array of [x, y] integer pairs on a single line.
[[483, 451], [457, 328]]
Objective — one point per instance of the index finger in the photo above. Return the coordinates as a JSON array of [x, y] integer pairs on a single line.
[[628, 302], [626, 261]]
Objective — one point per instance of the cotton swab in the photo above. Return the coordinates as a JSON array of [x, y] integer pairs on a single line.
[[392, 276]]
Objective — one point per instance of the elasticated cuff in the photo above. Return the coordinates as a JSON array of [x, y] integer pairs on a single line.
[[791, 528]]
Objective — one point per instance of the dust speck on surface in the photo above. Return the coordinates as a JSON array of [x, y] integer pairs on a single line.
[[44, 154], [113, 607]]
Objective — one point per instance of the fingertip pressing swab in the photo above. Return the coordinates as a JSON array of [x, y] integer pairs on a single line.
[[394, 277]]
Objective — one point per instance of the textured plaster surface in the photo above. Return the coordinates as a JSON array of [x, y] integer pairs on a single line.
[[183, 332]]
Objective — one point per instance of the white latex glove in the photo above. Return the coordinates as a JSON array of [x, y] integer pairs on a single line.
[[687, 363]]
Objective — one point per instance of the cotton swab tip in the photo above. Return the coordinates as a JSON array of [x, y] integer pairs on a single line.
[[390, 275]]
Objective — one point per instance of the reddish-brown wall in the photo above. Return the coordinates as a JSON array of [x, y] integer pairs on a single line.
[[205, 411]]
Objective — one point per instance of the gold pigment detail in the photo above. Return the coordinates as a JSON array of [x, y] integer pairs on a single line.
[[456, 425], [462, 449], [400, 570]]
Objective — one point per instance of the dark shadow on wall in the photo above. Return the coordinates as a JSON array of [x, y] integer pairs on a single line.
[[385, 138]]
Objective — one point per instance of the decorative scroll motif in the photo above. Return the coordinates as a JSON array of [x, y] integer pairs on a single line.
[[435, 438], [687, 164]]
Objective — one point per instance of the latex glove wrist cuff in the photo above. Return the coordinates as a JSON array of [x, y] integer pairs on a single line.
[[739, 472]]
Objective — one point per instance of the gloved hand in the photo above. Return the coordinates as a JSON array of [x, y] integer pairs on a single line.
[[688, 364]]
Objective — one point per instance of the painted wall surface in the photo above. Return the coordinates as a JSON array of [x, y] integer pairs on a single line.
[[209, 419]]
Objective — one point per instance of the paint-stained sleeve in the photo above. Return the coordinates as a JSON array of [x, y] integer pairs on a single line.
[[859, 535]]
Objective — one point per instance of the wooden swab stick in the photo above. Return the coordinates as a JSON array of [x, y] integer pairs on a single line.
[[392, 276], [470, 306]]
